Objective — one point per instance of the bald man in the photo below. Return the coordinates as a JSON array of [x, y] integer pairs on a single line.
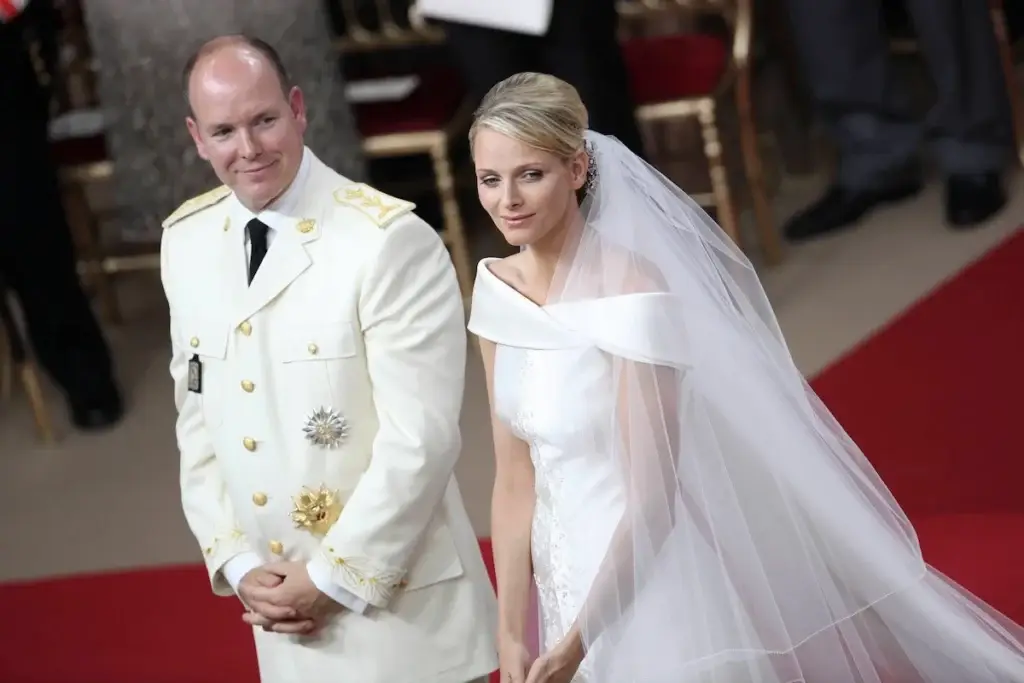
[[318, 353]]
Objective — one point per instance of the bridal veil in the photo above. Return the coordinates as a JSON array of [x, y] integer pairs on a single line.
[[758, 544]]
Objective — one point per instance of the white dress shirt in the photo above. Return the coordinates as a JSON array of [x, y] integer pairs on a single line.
[[240, 565]]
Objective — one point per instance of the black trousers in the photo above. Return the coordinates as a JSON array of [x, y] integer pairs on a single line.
[[846, 60], [580, 47], [37, 256]]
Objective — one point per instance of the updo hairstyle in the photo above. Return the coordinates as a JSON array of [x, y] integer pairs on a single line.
[[538, 110]]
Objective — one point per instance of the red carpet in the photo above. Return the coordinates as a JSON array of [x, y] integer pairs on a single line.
[[933, 399]]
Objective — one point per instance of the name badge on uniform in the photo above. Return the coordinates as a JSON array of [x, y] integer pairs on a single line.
[[195, 375]]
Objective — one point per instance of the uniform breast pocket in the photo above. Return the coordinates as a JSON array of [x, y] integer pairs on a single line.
[[206, 343], [311, 358]]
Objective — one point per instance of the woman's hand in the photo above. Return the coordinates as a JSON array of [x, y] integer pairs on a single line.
[[514, 660], [561, 663]]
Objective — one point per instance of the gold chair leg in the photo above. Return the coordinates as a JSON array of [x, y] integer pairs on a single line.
[[1010, 73], [716, 168], [767, 236], [85, 232], [34, 391], [453, 226]]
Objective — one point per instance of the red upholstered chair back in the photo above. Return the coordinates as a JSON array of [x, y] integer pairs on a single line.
[[683, 58]]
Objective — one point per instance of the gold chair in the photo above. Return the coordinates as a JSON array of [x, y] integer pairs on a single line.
[[83, 163], [424, 123], [684, 75], [14, 359]]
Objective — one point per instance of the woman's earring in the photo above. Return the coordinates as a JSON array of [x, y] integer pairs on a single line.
[[588, 184]]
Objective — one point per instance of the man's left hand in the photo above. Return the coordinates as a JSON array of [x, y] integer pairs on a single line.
[[296, 591]]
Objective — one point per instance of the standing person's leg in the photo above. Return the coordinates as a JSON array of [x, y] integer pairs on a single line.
[[971, 119], [582, 48], [846, 62], [37, 258]]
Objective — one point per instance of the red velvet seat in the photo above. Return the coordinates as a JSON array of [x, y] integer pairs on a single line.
[[431, 107], [674, 67], [682, 75], [423, 123]]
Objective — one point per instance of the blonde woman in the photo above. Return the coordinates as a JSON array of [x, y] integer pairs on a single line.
[[687, 507]]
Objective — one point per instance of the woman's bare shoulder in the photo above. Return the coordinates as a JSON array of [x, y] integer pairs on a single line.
[[507, 268]]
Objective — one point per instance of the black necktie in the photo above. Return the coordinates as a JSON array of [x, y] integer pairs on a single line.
[[258, 239]]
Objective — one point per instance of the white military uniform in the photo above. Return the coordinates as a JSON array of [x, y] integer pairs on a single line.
[[319, 422]]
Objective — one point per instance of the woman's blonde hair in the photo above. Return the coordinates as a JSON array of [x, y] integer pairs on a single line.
[[538, 110]]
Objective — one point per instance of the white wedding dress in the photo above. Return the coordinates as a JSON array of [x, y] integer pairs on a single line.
[[549, 386], [700, 514], [554, 388]]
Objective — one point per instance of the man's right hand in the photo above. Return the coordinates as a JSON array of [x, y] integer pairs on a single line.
[[279, 619]]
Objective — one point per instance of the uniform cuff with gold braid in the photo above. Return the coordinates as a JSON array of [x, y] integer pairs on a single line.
[[218, 553], [321, 578], [368, 580]]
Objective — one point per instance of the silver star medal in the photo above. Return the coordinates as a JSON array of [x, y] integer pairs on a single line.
[[326, 428]]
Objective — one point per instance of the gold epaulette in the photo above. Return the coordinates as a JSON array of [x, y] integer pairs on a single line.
[[380, 208], [197, 204]]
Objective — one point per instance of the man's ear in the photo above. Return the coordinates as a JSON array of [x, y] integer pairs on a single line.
[[297, 103], [197, 137]]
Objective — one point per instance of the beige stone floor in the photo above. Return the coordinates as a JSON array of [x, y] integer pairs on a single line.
[[110, 500]]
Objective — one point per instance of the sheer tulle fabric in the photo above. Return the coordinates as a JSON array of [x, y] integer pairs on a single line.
[[758, 543]]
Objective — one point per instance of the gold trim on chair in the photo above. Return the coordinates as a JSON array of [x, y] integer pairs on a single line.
[[1013, 86], [25, 368], [360, 38], [737, 76], [432, 143]]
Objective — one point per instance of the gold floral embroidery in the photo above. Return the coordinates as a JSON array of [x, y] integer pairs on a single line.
[[372, 203], [372, 577], [232, 540], [196, 204], [316, 511]]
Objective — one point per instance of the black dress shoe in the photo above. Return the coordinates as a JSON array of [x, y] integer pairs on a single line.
[[97, 415], [841, 207], [971, 199]]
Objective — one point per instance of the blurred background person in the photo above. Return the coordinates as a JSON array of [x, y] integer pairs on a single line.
[[37, 253], [844, 47], [580, 46]]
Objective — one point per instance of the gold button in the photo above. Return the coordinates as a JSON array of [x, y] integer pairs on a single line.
[[249, 443], [248, 386], [306, 226], [245, 328], [313, 349], [194, 342], [260, 499], [276, 547]]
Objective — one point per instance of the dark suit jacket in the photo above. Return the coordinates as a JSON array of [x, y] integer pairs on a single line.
[[22, 95]]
